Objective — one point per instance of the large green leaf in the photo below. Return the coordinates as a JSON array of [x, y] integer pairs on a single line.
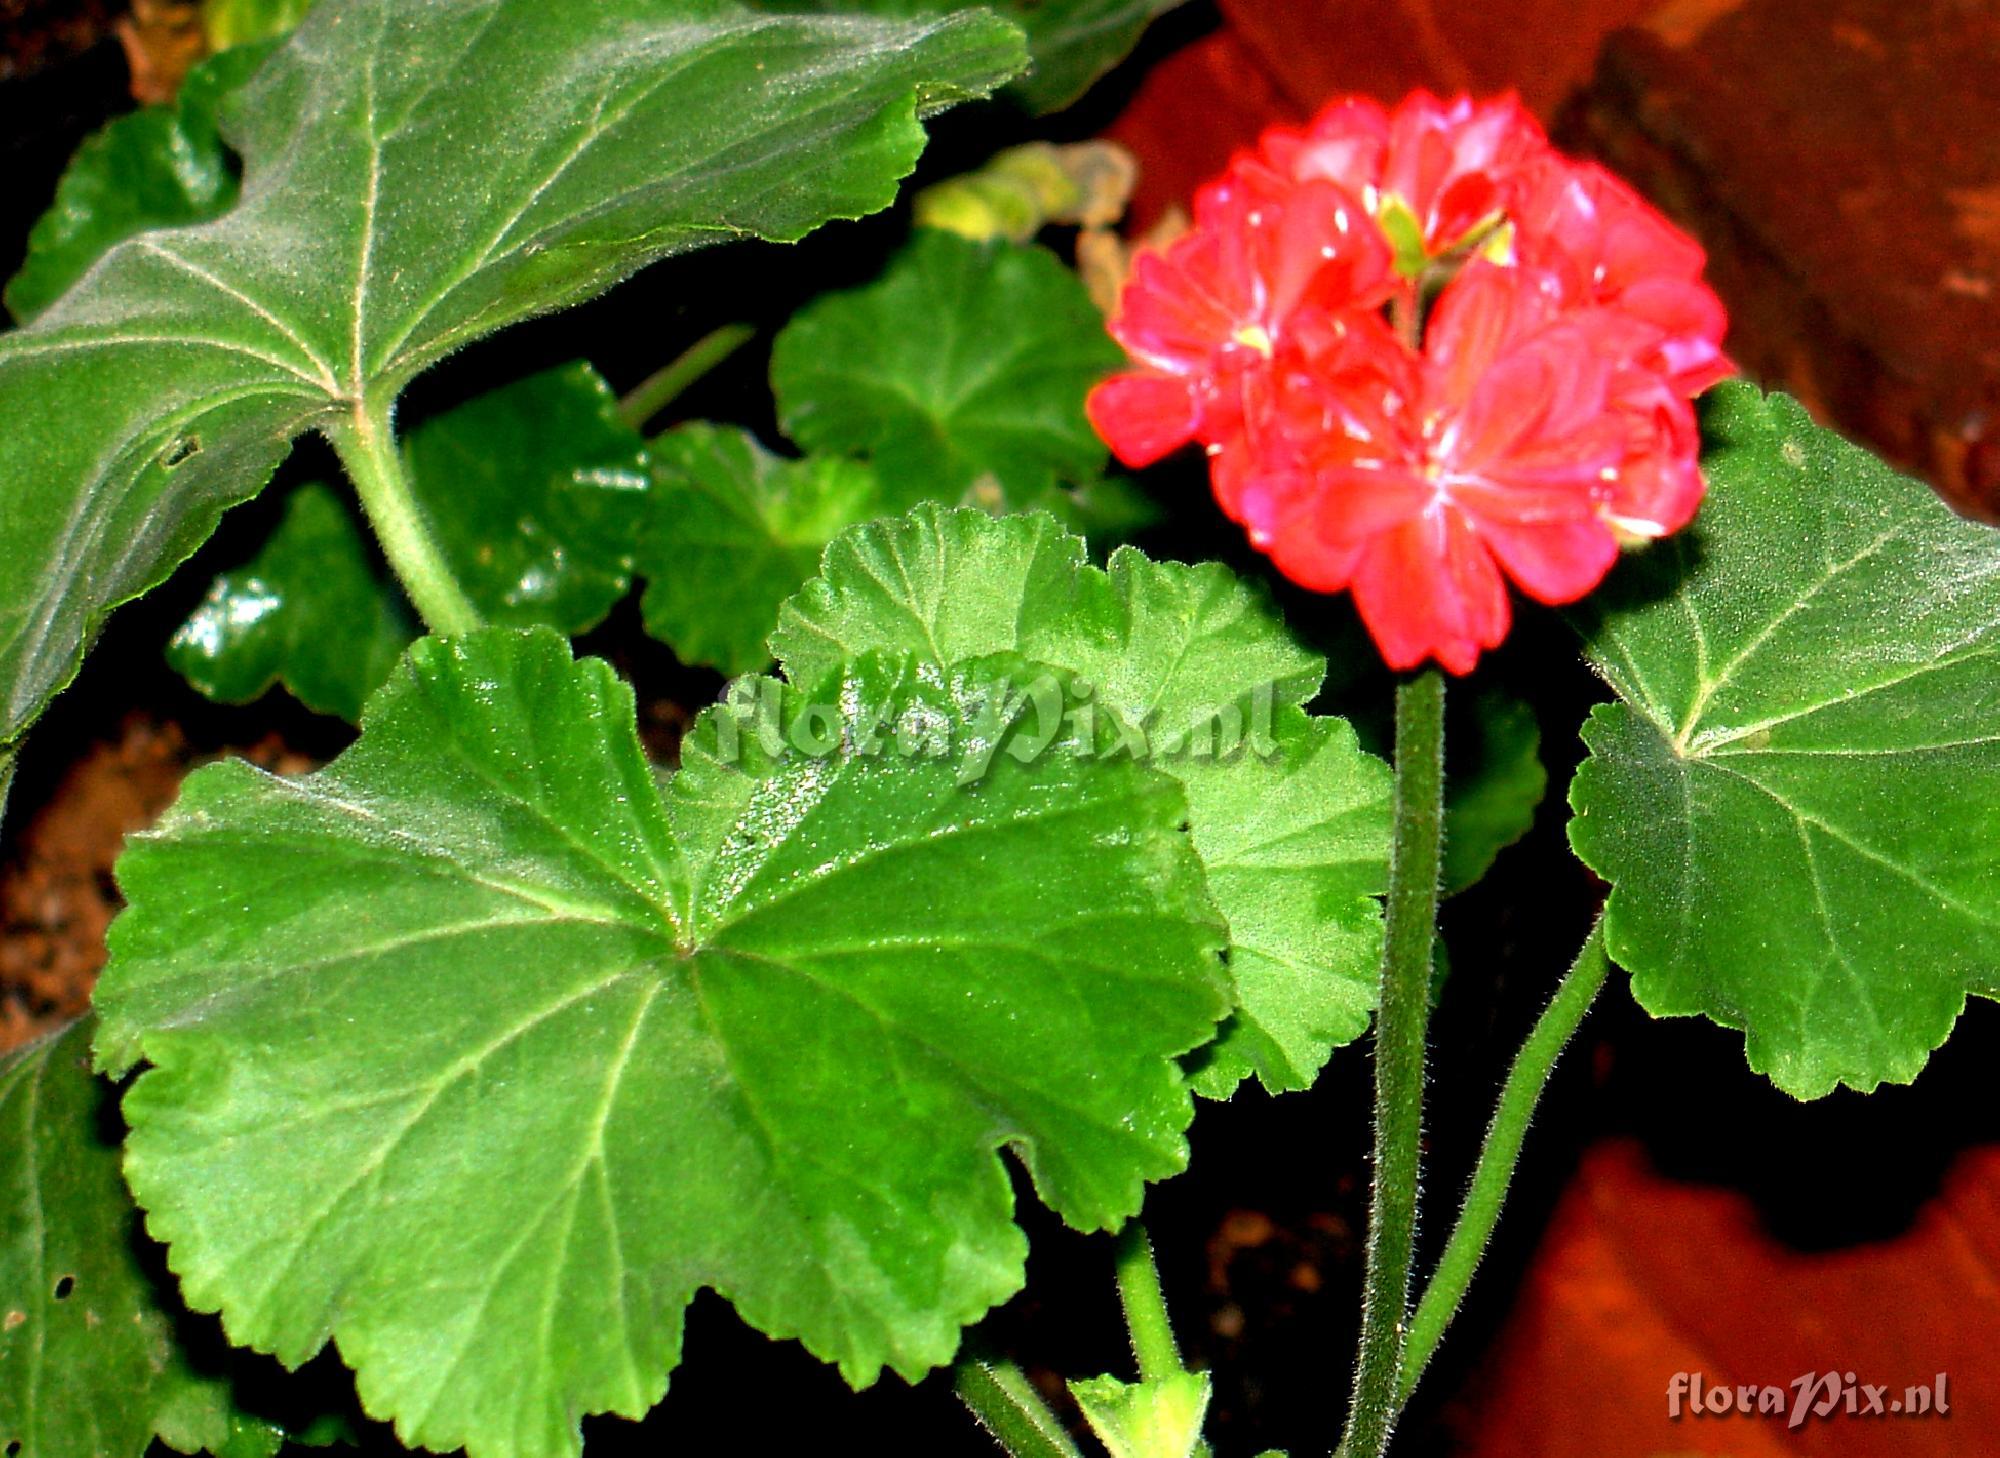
[[475, 1055], [154, 168], [960, 373], [1073, 41], [1293, 830], [733, 531], [416, 176], [90, 1365], [536, 494], [1798, 800]]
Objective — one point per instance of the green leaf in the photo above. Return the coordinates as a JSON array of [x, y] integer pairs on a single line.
[[1295, 850], [87, 1340], [734, 531], [535, 491], [947, 584], [1074, 41], [1494, 779], [960, 373], [1798, 800], [238, 22], [311, 611], [1157, 1419], [474, 1054], [157, 167], [1292, 823], [416, 177]]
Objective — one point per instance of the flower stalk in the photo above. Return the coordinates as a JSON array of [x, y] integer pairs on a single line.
[[1401, 1023], [680, 374]]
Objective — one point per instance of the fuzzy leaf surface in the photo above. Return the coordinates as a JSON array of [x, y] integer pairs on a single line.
[[1073, 41], [960, 373], [733, 531], [1291, 822], [1797, 798], [764, 1034], [154, 168], [416, 177]]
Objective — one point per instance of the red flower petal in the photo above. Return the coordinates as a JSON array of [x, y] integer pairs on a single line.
[[1553, 562], [1179, 307], [1429, 589], [1143, 416], [1327, 251], [1659, 486]]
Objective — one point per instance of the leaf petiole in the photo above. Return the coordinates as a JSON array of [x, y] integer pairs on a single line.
[[1499, 1155], [1006, 1404], [673, 379], [366, 444]]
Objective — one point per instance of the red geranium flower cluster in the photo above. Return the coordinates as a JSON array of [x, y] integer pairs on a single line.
[[1426, 353]]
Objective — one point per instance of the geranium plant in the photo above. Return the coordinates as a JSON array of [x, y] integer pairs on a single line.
[[476, 1053]]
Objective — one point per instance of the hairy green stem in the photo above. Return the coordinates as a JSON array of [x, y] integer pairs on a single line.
[[1498, 1157], [667, 384], [1145, 1306], [8, 759], [1008, 1407], [1400, 1024], [366, 443]]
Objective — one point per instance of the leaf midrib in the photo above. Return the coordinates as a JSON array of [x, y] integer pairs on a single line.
[[1707, 688], [1708, 746]]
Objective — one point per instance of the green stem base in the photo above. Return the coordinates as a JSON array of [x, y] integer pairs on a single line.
[[1145, 1306]]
